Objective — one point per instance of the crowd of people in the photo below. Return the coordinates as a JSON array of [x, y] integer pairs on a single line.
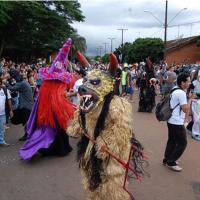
[[20, 84]]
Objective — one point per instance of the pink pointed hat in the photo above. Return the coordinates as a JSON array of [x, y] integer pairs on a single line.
[[58, 69]]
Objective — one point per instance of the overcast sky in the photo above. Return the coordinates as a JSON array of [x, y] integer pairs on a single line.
[[104, 17]]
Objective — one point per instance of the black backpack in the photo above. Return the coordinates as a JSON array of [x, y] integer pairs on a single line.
[[163, 109]]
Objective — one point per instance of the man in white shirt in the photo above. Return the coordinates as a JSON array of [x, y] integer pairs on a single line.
[[5, 98], [177, 140]]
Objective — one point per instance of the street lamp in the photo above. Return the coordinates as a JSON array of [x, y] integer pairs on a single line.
[[122, 29], [111, 39], [97, 49], [100, 48], [165, 25], [147, 11], [105, 46]]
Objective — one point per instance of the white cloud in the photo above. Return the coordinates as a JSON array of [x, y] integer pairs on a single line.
[[104, 17]]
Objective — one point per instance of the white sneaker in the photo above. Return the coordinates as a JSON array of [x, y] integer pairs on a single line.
[[4, 144], [175, 168]]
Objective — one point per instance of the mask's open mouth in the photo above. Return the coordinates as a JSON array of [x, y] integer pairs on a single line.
[[88, 100]]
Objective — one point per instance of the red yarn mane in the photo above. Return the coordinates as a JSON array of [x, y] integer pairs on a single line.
[[53, 106]]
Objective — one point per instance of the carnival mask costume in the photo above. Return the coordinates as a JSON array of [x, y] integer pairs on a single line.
[[107, 145], [52, 111]]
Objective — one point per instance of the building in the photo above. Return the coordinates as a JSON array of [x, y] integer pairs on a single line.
[[183, 50]]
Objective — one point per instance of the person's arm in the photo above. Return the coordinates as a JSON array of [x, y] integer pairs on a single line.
[[10, 108], [10, 104], [71, 94], [16, 87], [185, 107]]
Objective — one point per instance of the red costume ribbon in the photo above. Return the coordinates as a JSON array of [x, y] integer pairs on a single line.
[[125, 164]]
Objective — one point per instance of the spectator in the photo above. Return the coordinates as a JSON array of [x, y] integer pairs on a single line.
[[130, 85], [31, 80], [117, 81], [21, 114], [124, 79], [5, 103], [2, 62], [169, 80], [177, 140]]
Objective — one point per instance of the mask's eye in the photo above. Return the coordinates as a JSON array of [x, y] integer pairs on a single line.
[[95, 81]]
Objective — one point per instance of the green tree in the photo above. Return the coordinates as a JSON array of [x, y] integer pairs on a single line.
[[144, 47], [141, 48], [105, 58], [31, 28], [79, 44], [198, 44], [122, 52]]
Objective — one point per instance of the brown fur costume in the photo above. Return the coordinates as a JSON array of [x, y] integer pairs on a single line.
[[110, 124], [117, 135]]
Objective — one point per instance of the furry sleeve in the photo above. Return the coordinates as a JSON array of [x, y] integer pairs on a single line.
[[73, 128], [118, 130]]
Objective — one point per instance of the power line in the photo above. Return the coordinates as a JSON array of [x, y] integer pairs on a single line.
[[185, 24]]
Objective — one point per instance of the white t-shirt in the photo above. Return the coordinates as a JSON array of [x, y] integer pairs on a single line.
[[196, 84], [178, 116], [78, 83], [3, 101]]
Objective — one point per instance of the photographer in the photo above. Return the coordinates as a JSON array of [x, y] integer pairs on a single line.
[[177, 140]]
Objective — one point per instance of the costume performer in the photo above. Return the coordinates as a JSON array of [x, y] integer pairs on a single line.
[[51, 112], [104, 123], [147, 92]]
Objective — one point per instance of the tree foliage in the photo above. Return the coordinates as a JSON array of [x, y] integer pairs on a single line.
[[79, 43], [140, 49], [105, 58], [36, 28], [198, 44]]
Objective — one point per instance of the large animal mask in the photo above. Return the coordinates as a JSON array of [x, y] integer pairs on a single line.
[[97, 86]]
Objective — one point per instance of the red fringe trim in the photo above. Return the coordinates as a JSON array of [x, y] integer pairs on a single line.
[[54, 108]]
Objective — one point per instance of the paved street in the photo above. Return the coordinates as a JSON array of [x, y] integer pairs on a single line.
[[56, 178]]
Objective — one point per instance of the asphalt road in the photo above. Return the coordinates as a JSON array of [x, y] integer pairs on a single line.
[[55, 178]]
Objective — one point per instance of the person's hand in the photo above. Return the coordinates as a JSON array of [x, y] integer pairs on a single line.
[[67, 94], [11, 114], [191, 95]]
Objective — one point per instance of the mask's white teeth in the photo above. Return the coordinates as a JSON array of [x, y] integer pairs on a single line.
[[89, 106]]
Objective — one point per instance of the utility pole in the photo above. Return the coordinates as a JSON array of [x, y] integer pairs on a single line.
[[100, 48], [105, 46], [178, 31], [165, 26], [111, 40], [122, 29], [97, 49]]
